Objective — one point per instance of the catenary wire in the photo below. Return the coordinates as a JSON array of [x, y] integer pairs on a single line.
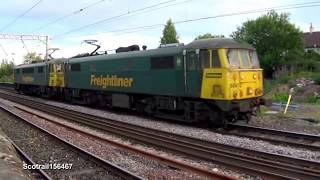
[[114, 17], [68, 15], [20, 16], [142, 28]]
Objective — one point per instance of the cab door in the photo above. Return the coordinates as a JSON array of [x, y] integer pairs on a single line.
[[192, 73], [56, 78]]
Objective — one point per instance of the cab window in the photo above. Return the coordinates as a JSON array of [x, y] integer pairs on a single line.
[[59, 67], [245, 58], [233, 58], [51, 68], [215, 59], [204, 59], [254, 59], [192, 60]]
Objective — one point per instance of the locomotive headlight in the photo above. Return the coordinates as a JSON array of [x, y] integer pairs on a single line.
[[242, 77], [254, 76], [249, 91]]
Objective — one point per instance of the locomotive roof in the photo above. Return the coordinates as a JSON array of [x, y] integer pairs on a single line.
[[164, 51], [217, 43], [51, 61], [30, 65], [132, 54], [197, 44]]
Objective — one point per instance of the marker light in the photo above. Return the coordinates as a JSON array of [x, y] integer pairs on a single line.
[[254, 76], [249, 91]]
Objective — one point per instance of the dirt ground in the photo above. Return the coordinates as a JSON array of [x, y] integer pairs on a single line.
[[305, 118]]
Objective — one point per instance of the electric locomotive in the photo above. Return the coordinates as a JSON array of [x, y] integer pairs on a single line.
[[210, 80]]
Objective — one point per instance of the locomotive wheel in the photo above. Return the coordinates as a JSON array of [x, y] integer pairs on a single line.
[[217, 117], [140, 108]]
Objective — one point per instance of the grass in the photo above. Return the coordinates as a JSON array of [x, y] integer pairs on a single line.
[[310, 111], [284, 79], [280, 97], [6, 79], [314, 75], [267, 86], [313, 100]]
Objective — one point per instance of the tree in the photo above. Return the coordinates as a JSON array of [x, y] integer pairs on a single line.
[[273, 36], [6, 71], [208, 35], [30, 57], [169, 34]]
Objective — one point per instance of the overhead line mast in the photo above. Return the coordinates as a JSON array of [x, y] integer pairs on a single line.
[[22, 37]]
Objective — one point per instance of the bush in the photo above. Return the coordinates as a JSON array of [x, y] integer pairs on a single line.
[[312, 99], [6, 79], [284, 79], [306, 74], [299, 90], [280, 97], [317, 79], [267, 86]]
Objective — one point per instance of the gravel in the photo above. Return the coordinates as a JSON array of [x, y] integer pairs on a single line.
[[138, 164], [286, 124], [44, 149], [200, 133], [195, 132]]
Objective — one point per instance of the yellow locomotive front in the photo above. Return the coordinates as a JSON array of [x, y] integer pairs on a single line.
[[238, 77], [232, 80]]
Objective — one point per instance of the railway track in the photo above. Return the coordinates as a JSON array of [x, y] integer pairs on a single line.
[[250, 161], [301, 140], [9, 87], [41, 174], [110, 167]]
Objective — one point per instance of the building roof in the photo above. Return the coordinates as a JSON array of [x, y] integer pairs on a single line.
[[311, 40]]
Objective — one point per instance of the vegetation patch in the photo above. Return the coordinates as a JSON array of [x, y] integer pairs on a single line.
[[280, 97], [6, 71]]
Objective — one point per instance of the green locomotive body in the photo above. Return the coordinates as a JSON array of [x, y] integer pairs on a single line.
[[213, 80]]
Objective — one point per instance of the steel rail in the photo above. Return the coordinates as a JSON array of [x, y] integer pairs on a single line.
[[162, 159], [311, 142], [43, 174], [254, 162]]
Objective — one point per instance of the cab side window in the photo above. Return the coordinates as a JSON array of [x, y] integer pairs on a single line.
[[215, 59], [192, 60], [51, 68], [75, 67], [204, 59], [59, 67]]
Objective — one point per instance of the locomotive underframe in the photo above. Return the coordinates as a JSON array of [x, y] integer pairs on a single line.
[[185, 109]]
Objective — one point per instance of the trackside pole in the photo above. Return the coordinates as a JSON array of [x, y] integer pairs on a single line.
[[289, 99]]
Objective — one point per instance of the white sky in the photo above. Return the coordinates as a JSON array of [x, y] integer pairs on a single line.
[[71, 44]]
